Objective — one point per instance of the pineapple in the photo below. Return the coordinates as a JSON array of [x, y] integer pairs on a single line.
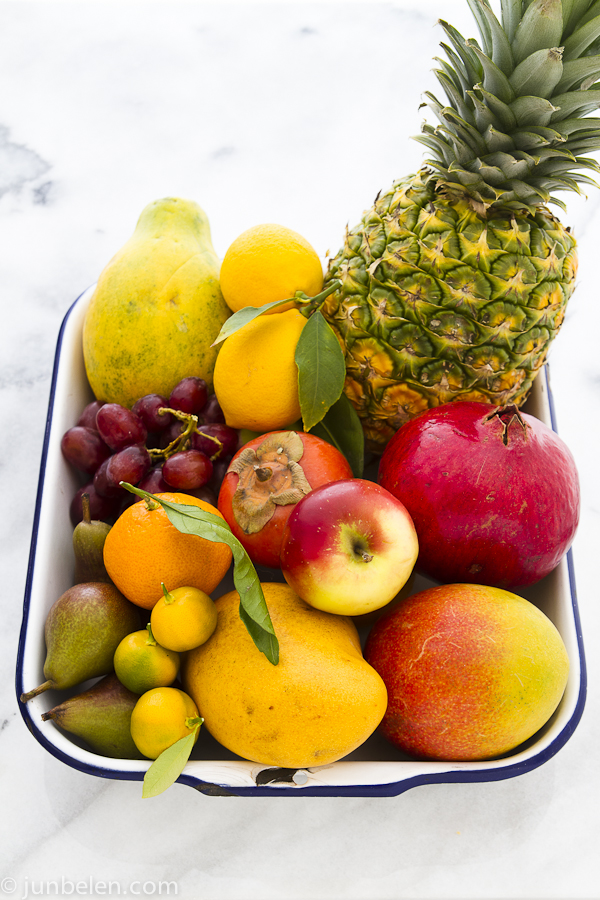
[[456, 281]]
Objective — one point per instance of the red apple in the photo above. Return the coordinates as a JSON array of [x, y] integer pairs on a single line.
[[348, 547], [493, 492], [471, 671]]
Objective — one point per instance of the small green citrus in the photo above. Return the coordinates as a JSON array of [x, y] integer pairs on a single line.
[[161, 717], [141, 663], [183, 619]]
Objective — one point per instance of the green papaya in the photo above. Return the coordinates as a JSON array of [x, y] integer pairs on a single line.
[[157, 307]]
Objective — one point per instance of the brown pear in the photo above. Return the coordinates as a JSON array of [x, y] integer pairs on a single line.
[[83, 629], [101, 716]]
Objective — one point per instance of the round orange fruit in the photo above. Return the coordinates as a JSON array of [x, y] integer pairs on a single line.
[[145, 550]]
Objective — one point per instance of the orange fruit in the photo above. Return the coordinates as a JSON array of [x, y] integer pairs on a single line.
[[183, 619], [162, 716], [145, 550]]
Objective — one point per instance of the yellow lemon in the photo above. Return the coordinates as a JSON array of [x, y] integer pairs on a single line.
[[141, 663], [267, 263], [256, 376], [183, 619], [160, 718]]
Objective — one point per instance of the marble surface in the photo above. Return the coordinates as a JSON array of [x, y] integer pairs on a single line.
[[259, 112]]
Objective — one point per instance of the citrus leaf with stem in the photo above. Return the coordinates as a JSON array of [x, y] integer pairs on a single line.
[[253, 608], [248, 313], [168, 765]]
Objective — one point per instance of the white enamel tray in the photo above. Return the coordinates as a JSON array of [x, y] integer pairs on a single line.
[[376, 768]]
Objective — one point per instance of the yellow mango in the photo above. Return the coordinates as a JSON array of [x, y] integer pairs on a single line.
[[318, 704]]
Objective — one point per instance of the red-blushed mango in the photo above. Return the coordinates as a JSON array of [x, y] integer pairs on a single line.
[[320, 702], [471, 671]]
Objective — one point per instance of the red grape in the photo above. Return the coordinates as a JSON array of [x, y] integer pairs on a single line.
[[187, 470], [147, 409], [189, 396], [227, 436], [129, 464], [212, 412], [220, 467], [84, 448], [119, 427], [205, 493], [88, 416], [171, 433], [101, 508], [154, 482], [104, 487]]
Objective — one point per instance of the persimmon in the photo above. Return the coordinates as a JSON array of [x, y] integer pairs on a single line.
[[265, 480]]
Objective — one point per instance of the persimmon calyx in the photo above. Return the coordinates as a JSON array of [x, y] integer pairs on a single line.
[[268, 477]]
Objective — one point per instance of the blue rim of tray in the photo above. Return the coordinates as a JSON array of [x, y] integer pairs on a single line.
[[355, 790]]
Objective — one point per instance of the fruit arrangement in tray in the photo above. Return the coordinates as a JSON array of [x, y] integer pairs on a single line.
[[338, 432]]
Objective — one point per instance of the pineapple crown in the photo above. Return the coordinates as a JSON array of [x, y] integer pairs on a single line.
[[515, 128]]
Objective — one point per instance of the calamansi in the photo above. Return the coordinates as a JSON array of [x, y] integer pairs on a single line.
[[161, 717], [141, 663], [183, 619]]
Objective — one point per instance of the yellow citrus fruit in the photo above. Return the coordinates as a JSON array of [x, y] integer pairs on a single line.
[[256, 376], [183, 619], [161, 717], [268, 263], [141, 663], [145, 550]]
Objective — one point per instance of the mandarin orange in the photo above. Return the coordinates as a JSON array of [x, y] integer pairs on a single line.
[[145, 549]]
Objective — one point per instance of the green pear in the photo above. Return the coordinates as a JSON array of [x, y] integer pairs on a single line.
[[157, 307], [88, 546], [83, 629], [101, 716]]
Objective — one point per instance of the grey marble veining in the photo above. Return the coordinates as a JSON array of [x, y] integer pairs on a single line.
[[297, 113]]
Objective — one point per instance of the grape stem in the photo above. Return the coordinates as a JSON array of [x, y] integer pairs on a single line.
[[182, 441]]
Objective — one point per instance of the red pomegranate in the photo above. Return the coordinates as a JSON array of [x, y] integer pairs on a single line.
[[493, 492]]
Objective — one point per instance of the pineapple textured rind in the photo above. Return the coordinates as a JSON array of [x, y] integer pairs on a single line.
[[438, 304], [455, 283]]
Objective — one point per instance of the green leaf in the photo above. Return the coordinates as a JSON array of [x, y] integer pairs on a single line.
[[247, 314], [167, 767], [253, 608], [321, 369], [341, 427]]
